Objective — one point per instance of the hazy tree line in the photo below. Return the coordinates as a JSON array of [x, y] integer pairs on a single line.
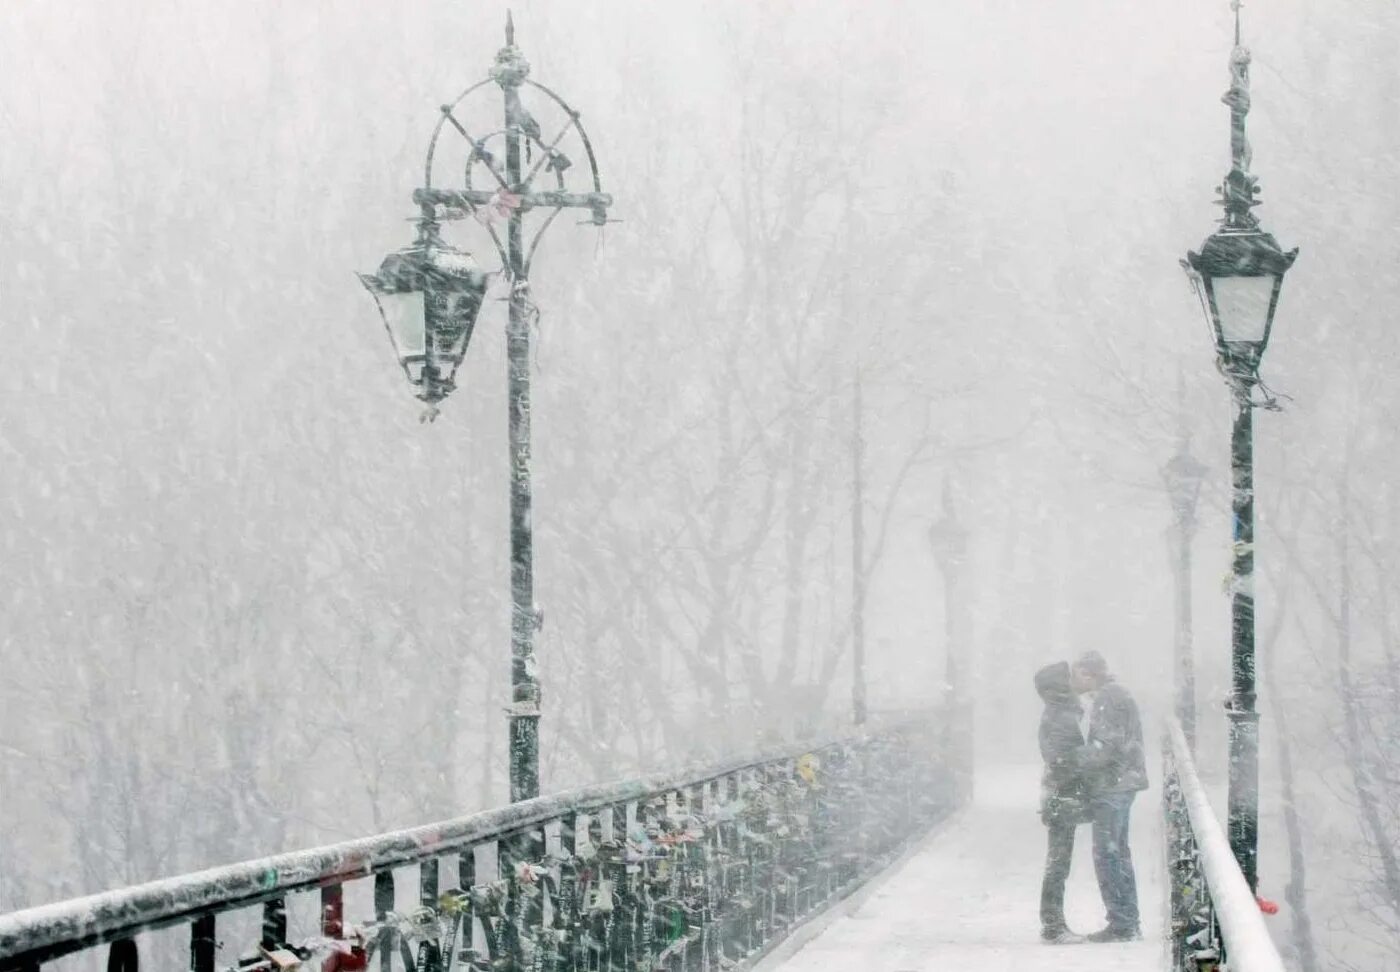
[[253, 604]]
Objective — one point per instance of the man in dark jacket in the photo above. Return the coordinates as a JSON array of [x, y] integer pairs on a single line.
[[1063, 798], [1115, 769]]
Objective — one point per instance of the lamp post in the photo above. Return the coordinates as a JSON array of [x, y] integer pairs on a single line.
[[1182, 475], [1238, 274], [948, 538], [429, 295], [859, 705]]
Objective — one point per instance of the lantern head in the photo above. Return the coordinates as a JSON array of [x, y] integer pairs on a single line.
[[1183, 475], [429, 294], [1239, 276]]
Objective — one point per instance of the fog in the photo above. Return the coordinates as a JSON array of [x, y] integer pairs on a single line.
[[252, 603]]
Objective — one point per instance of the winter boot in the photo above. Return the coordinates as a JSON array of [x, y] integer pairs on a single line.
[[1111, 934]]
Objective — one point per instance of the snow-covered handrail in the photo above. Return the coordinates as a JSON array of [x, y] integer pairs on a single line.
[[168, 901], [1202, 855], [831, 790]]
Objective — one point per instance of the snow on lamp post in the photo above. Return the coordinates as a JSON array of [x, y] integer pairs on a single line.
[[430, 292], [1238, 274]]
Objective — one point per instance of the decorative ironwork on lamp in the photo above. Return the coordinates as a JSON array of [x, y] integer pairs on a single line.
[[1239, 270]]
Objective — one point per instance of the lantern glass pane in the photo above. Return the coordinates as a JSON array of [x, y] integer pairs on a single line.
[[452, 318], [1242, 304], [403, 314], [460, 319]]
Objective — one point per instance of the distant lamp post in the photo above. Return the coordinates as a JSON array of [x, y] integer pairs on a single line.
[[430, 292], [948, 537], [1183, 475], [1238, 274], [859, 580]]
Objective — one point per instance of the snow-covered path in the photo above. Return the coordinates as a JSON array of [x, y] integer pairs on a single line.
[[968, 898]]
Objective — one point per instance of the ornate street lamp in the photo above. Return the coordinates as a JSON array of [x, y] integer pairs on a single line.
[[429, 295], [1238, 274]]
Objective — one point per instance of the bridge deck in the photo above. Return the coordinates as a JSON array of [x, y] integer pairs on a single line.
[[968, 898]]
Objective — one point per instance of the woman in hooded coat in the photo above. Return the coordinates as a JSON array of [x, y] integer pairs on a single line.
[[1064, 803]]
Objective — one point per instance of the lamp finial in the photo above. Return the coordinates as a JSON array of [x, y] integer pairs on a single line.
[[1237, 192], [511, 69]]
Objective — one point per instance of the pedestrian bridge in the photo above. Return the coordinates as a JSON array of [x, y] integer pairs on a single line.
[[966, 896], [877, 851]]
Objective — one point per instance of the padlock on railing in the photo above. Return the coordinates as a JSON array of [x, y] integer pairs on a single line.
[[598, 899]]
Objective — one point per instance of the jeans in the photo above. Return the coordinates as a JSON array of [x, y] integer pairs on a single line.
[[1059, 853], [1113, 859]]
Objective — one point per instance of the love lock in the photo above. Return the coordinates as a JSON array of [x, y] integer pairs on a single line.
[[489, 898], [453, 901], [599, 898], [474, 961], [281, 958], [530, 874], [419, 925]]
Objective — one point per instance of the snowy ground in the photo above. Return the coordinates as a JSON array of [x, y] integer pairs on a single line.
[[968, 898]]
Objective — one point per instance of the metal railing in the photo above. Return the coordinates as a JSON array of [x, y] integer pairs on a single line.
[[1213, 912], [692, 872]]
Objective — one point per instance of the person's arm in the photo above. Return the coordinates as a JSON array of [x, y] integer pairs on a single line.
[[1108, 735], [1061, 748]]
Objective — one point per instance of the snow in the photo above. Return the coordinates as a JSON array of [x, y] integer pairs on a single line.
[[968, 898]]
